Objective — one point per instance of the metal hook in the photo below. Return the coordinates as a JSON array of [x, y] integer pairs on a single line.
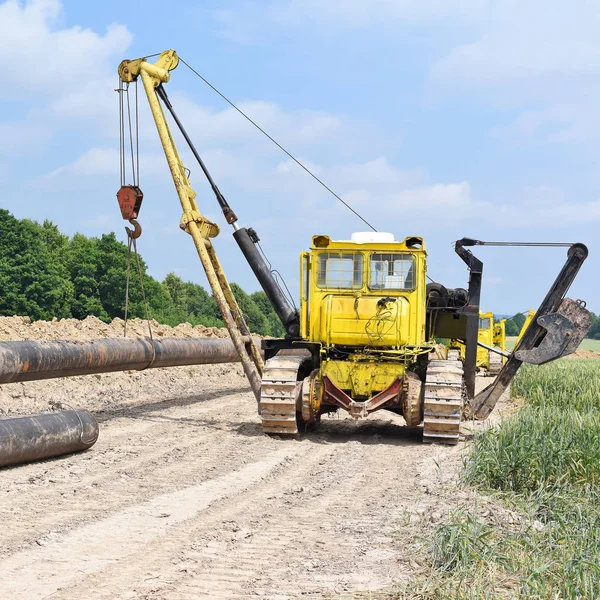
[[136, 232]]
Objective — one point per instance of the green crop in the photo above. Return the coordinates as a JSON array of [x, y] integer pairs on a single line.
[[542, 464]]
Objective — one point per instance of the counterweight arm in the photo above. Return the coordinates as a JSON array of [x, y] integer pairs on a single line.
[[556, 330]]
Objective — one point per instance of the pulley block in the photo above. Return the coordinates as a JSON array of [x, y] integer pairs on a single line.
[[130, 201]]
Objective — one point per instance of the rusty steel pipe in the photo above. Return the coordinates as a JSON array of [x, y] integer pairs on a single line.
[[25, 439], [32, 360]]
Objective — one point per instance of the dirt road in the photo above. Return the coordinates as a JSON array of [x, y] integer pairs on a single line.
[[183, 497]]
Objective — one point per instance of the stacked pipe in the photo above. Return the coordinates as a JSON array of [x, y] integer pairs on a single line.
[[25, 439]]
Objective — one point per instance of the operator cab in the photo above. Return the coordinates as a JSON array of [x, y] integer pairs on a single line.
[[366, 291]]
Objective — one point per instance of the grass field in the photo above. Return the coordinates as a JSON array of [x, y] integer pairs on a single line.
[[542, 465], [593, 345]]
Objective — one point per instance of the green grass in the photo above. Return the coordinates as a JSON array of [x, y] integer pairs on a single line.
[[564, 384], [586, 344], [590, 345], [540, 449], [543, 467]]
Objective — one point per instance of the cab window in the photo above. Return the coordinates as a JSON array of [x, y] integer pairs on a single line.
[[340, 270], [484, 323], [392, 272]]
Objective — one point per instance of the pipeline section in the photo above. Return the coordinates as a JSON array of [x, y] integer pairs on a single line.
[[32, 360], [25, 439]]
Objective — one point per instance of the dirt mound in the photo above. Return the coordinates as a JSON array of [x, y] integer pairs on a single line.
[[22, 328], [98, 392], [584, 354]]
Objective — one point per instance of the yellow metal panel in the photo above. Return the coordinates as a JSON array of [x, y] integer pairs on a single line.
[[340, 316], [500, 334], [411, 243], [358, 321], [362, 378], [492, 335], [485, 335], [305, 267]]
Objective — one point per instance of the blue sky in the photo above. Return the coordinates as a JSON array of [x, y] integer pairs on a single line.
[[435, 118]]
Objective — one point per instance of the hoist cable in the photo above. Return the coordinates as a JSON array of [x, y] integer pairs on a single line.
[[277, 144], [131, 242], [134, 150], [137, 136], [227, 211], [139, 266], [121, 133], [130, 137]]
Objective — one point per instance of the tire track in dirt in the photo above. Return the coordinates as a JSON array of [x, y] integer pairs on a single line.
[[152, 451], [324, 520], [329, 514], [121, 536]]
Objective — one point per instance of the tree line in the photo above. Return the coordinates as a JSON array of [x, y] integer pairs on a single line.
[[45, 273], [514, 325]]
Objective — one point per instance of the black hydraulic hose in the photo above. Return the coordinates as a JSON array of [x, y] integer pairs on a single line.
[[230, 216], [246, 240]]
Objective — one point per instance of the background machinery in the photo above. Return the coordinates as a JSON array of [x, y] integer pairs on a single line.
[[491, 342], [363, 336]]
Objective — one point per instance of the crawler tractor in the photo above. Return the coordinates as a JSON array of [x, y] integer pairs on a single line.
[[363, 338]]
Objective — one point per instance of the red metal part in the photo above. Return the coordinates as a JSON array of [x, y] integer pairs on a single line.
[[359, 410], [130, 199]]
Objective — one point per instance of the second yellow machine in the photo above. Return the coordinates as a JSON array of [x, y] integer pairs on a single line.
[[363, 337]]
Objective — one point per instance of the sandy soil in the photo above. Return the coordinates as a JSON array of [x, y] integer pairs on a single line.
[[183, 497]]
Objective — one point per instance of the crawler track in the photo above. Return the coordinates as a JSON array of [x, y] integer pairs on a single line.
[[495, 363], [279, 395], [443, 401]]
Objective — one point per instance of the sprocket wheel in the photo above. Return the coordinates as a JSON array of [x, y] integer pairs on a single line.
[[312, 392], [412, 400]]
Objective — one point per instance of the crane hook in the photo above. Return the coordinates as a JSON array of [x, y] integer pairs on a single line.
[[134, 233]]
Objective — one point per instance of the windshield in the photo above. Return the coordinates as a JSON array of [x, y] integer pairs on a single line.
[[392, 272], [340, 270]]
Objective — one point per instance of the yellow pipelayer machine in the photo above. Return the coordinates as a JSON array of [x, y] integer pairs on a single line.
[[362, 338]]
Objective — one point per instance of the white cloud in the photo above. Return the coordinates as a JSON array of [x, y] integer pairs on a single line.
[[293, 129], [62, 78], [540, 56], [535, 44], [95, 161], [39, 55], [555, 124], [101, 163], [376, 189]]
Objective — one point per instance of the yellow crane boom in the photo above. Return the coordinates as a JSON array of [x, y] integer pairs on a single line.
[[193, 221]]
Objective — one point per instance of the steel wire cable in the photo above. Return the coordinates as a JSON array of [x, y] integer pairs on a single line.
[[210, 85]]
